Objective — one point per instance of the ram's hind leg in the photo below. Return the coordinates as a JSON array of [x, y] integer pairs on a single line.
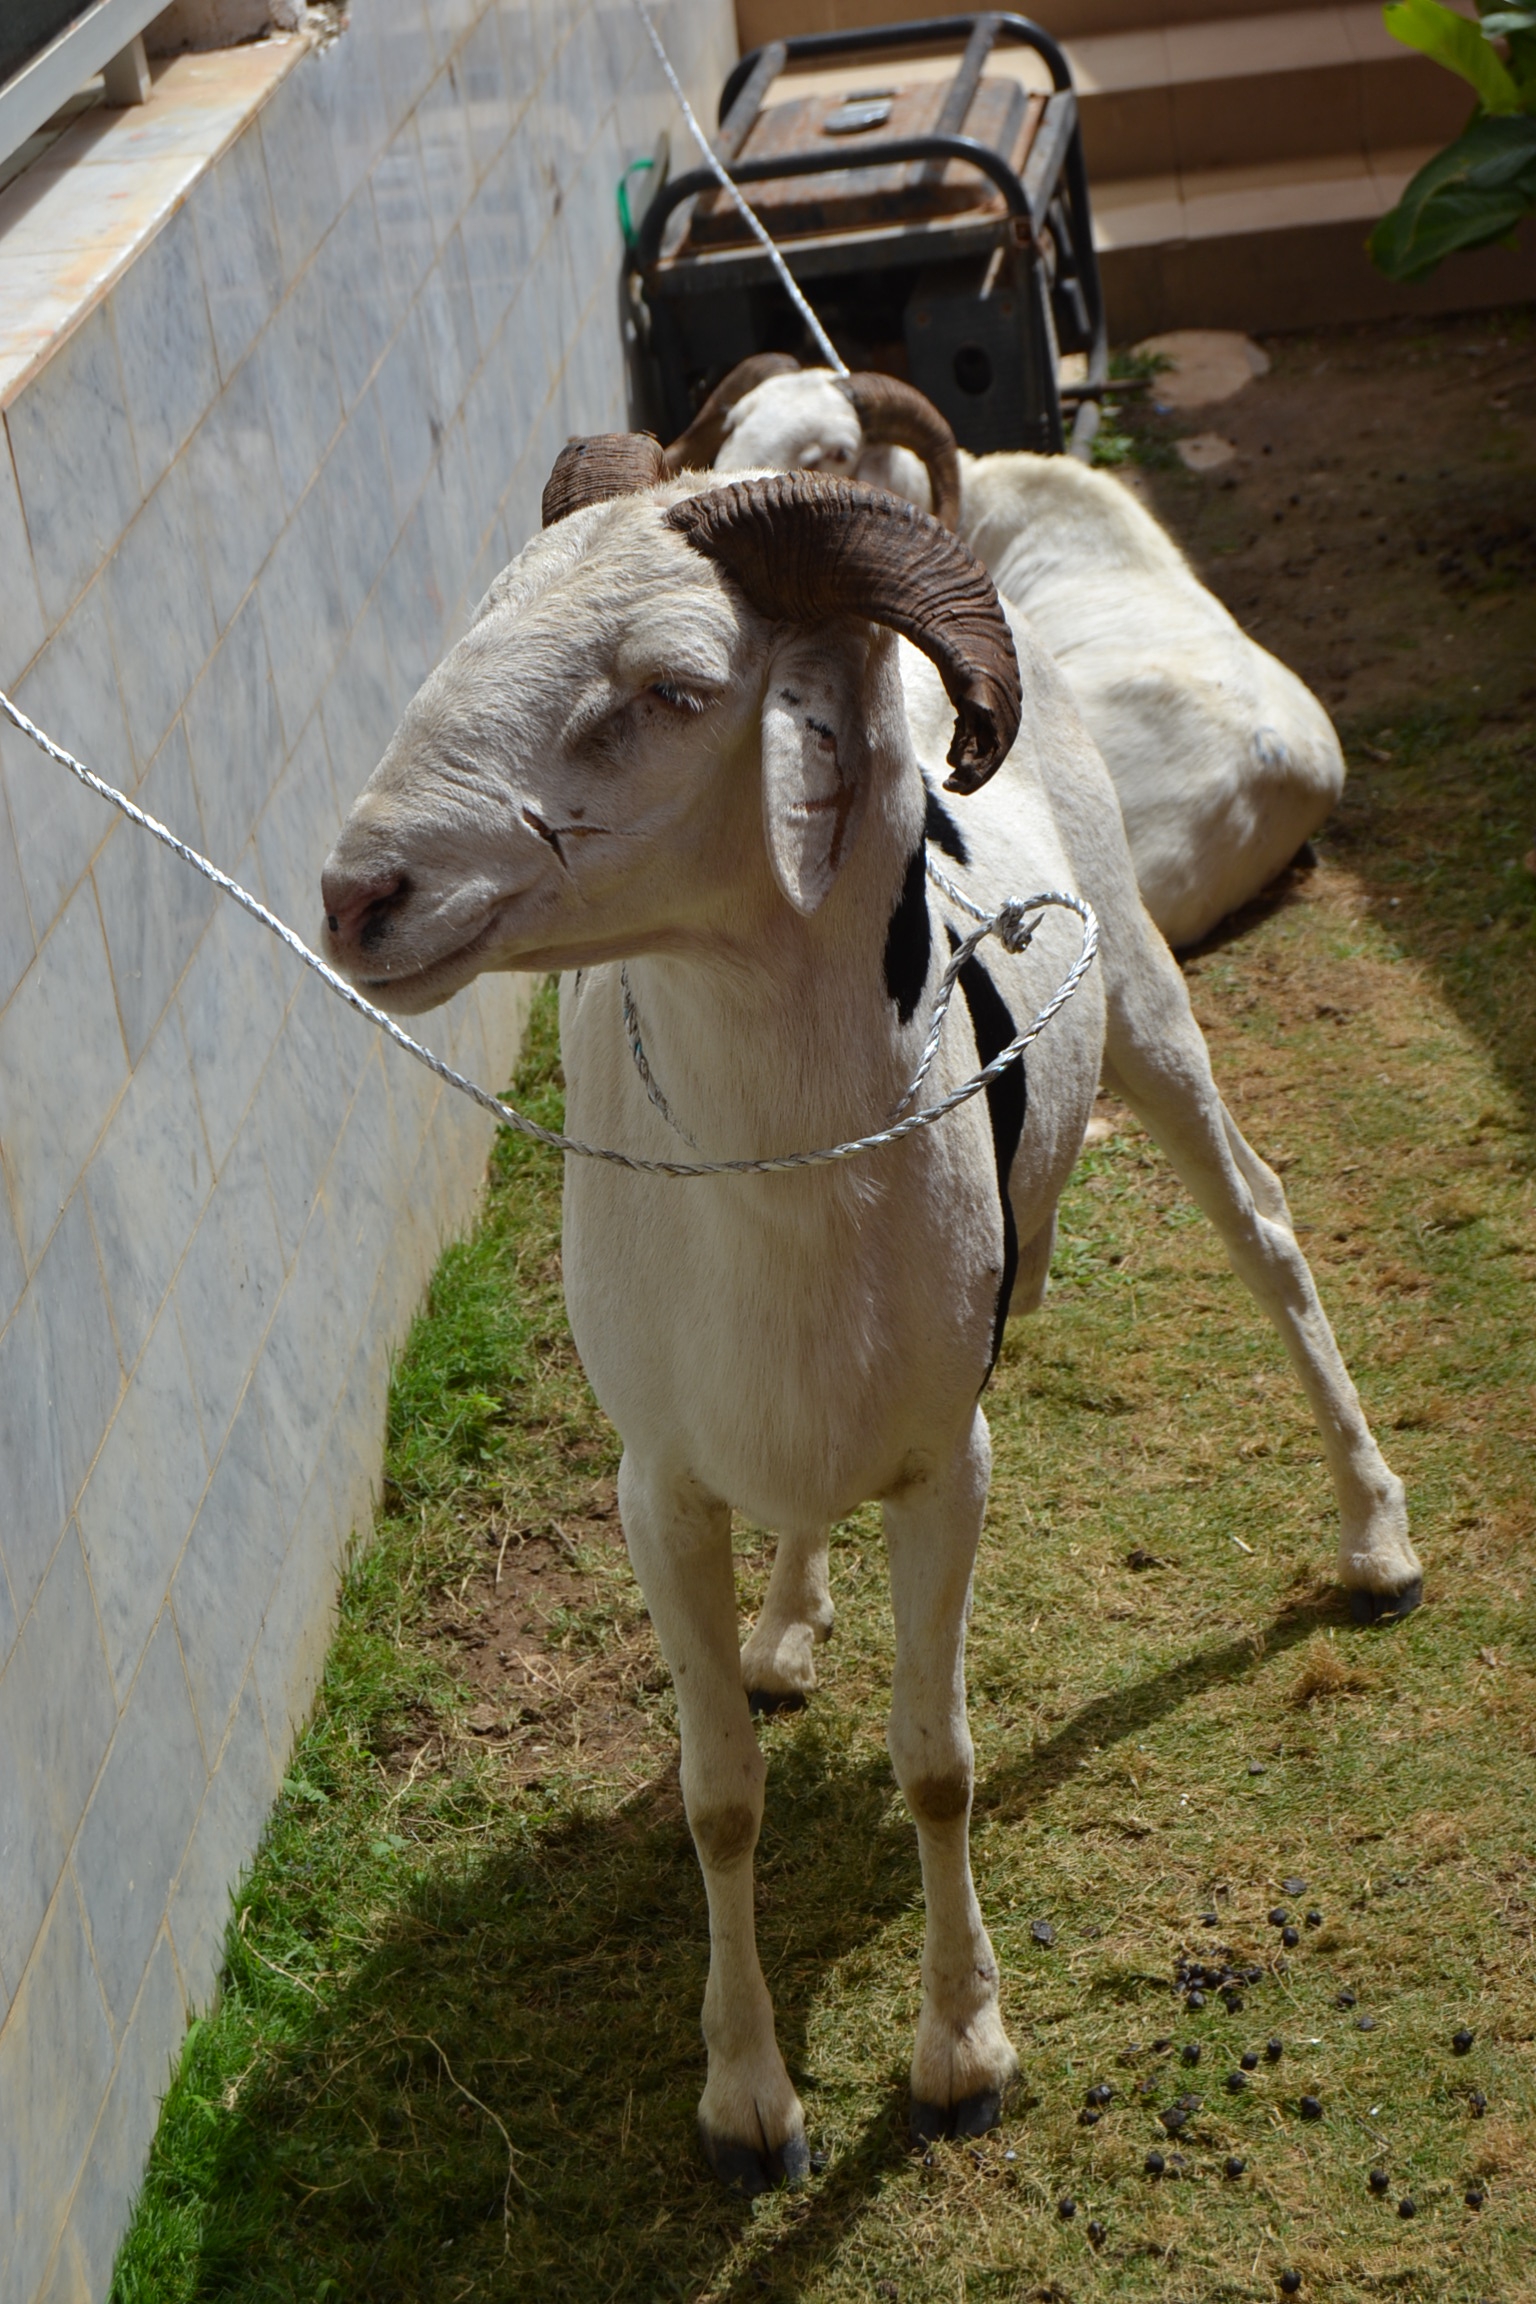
[[1157, 1059], [679, 1539], [778, 1664], [963, 2061]]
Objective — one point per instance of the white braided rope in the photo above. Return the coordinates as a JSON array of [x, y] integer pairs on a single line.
[[1008, 923], [749, 217]]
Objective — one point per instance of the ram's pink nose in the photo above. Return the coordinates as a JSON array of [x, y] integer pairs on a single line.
[[357, 909]]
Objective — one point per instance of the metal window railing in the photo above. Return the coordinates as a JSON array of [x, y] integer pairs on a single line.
[[103, 35]]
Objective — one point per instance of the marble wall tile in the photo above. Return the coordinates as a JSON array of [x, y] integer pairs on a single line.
[[17, 943], [237, 248], [290, 1655], [58, 2025], [349, 75], [138, 1504], [297, 1379], [445, 154], [139, 1822], [228, 1287], [300, 1118], [406, 55], [75, 461], [298, 374], [165, 345], [226, 1574], [404, 388], [154, 907], [360, 509], [114, 2166], [232, 1009], [22, 623], [58, 1710], [148, 1184], [404, 219], [302, 611], [228, 1829], [301, 168], [54, 1111], [497, 235], [525, 49], [236, 487], [34, 1495], [358, 707], [295, 836], [483, 82], [408, 656], [72, 693], [13, 1269], [348, 268], [234, 736], [448, 328], [160, 610], [496, 420]]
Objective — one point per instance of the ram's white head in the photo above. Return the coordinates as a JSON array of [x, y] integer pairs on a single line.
[[770, 414], [662, 728]]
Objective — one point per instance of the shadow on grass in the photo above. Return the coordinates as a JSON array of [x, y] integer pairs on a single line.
[[1017, 1785], [500, 2103]]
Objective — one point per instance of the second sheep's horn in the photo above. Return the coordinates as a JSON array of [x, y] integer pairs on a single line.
[[696, 449], [894, 414]]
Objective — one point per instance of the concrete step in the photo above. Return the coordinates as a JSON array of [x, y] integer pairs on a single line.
[[760, 20], [1280, 244], [1241, 91]]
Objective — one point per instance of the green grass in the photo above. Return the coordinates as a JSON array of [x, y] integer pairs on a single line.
[[456, 2051]]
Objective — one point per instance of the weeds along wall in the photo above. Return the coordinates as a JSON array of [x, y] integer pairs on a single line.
[[244, 506]]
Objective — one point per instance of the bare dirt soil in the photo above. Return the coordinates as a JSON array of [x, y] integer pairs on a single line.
[[1378, 529]]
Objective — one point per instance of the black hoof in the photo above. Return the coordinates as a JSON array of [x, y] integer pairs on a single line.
[[769, 1700], [973, 2116], [1386, 1607], [746, 2169]]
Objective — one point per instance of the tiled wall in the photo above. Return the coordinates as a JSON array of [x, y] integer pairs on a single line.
[[243, 507]]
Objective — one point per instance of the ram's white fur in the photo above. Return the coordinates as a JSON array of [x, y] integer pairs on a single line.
[[1224, 761], [622, 760]]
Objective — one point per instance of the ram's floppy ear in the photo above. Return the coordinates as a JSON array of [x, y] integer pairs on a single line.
[[815, 760]]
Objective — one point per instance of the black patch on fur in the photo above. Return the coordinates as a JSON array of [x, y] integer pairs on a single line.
[[909, 941], [940, 827], [1007, 1098]]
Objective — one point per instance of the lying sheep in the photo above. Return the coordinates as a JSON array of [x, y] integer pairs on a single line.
[[680, 749], [1224, 762]]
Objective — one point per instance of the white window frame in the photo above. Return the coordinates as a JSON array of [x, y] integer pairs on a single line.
[[74, 56]]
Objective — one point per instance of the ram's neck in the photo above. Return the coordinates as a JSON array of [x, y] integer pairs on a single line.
[[803, 1031]]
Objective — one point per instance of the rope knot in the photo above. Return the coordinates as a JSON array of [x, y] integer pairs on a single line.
[[1015, 929]]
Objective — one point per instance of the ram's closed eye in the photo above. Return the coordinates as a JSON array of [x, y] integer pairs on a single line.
[[678, 699]]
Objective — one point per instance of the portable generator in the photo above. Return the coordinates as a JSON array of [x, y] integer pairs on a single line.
[[934, 213]]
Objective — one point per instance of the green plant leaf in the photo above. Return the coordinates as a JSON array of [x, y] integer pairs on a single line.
[[1457, 43], [1471, 194], [1506, 20]]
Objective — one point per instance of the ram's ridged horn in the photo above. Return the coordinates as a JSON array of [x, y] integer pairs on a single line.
[[805, 548], [894, 414], [602, 464], [696, 449]]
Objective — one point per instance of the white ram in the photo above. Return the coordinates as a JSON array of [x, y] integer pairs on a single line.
[[1224, 761], [681, 739]]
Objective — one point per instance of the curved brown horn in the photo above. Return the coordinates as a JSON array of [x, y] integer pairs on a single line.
[[805, 548], [589, 470], [894, 414], [696, 449]]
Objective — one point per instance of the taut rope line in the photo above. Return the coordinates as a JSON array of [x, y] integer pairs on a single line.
[[759, 231], [1010, 924]]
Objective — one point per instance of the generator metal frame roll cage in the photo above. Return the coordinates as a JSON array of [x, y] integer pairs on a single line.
[[1050, 196]]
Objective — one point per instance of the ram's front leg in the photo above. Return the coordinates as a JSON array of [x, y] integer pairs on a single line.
[[963, 2062], [778, 1665], [679, 1538]]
